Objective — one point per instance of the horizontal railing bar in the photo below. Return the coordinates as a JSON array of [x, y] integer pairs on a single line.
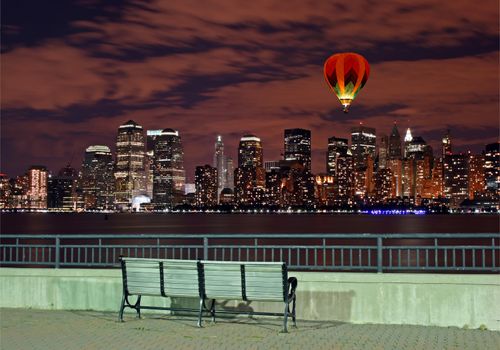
[[259, 235], [440, 247]]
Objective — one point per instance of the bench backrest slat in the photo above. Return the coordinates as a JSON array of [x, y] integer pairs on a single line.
[[222, 281], [265, 281], [181, 278], [143, 277]]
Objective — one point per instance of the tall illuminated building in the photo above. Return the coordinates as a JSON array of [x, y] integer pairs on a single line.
[[97, 180], [457, 175], [5, 191], [19, 189], [63, 190], [297, 146], [229, 173], [250, 152], [383, 150], [394, 143], [220, 164], [206, 184], [383, 185], [344, 179], [396, 167], [249, 178], [337, 147], [492, 167], [37, 187], [408, 139], [151, 136], [130, 174], [437, 180], [476, 179], [169, 176], [446, 149], [363, 143], [446, 153]]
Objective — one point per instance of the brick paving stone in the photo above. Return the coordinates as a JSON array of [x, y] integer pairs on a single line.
[[37, 329]]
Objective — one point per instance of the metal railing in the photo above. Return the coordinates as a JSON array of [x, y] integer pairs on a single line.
[[320, 252]]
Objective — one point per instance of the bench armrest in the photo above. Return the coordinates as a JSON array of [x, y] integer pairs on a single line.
[[292, 286]]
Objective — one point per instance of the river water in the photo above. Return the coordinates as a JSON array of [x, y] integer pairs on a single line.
[[125, 223]]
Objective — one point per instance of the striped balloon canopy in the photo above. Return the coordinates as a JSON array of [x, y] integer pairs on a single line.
[[346, 74]]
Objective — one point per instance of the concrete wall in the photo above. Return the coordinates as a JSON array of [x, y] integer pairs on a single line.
[[424, 299]]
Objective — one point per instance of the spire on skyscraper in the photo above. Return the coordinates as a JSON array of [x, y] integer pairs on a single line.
[[408, 137]]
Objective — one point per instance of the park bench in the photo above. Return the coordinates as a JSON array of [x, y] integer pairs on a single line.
[[208, 281]]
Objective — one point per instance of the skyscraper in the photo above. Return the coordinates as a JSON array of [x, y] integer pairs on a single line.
[[446, 153], [205, 180], [169, 176], [250, 152], [151, 136], [476, 182], [37, 187], [130, 175], [63, 191], [383, 150], [363, 142], [446, 145], [492, 167], [395, 143], [297, 146], [344, 180], [220, 164], [250, 174], [229, 173], [337, 147], [457, 176], [408, 139], [97, 178]]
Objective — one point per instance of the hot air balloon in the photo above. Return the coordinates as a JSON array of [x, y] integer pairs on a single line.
[[346, 74]]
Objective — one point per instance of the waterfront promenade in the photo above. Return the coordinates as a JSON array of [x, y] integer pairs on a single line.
[[36, 329]]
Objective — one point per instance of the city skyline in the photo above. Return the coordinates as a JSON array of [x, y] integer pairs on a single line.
[[72, 71], [148, 169]]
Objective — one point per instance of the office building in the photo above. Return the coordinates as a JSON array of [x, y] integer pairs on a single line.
[[297, 146], [130, 173], [394, 143], [383, 150], [220, 164], [37, 187], [249, 178], [363, 144], [337, 147], [476, 178], [492, 167], [169, 176], [206, 184], [97, 180]]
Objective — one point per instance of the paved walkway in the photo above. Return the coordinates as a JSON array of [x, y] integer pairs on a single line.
[[35, 329]]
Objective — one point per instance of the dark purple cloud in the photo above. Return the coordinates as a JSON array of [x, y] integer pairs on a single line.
[[72, 72]]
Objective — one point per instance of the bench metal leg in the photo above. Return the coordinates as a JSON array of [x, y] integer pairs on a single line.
[[200, 315], [293, 312], [122, 307], [285, 318], [212, 310]]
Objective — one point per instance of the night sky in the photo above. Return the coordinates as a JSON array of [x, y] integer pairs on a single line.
[[72, 72]]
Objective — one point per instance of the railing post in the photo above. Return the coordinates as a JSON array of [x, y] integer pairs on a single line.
[[205, 248], [58, 243], [379, 254]]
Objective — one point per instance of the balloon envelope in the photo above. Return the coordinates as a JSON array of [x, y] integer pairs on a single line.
[[346, 74]]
